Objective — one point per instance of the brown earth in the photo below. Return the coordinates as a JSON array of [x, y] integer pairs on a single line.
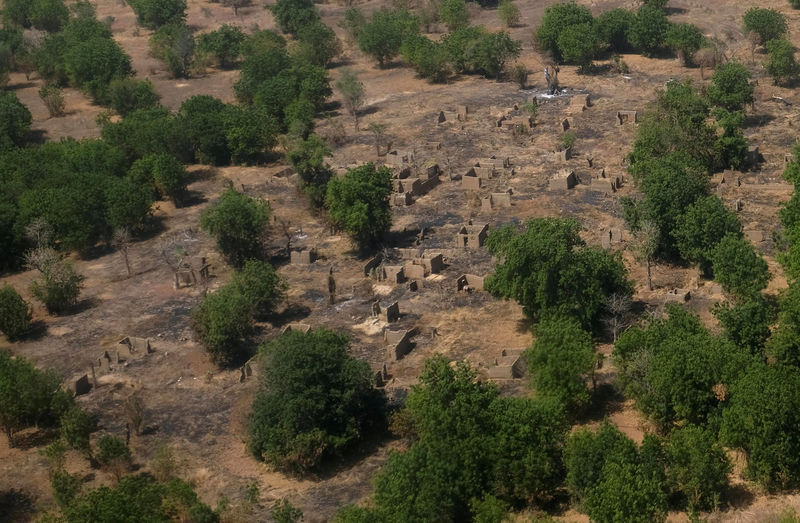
[[200, 411]]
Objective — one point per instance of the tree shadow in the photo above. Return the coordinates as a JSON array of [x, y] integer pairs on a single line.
[[291, 313], [36, 331], [16, 505], [192, 198], [35, 438], [739, 496], [606, 400]]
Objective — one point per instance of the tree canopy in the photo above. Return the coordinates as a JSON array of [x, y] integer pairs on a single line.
[[238, 223], [358, 203]]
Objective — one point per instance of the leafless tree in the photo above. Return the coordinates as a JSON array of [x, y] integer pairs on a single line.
[[286, 229], [645, 244], [134, 412], [618, 307], [122, 241], [39, 232], [379, 131]]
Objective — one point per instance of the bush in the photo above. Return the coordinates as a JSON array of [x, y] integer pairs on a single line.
[[454, 14], [202, 120], [29, 397], [53, 99], [260, 284], [685, 40], [76, 427], [697, 467], [648, 33], [59, 286], [293, 15], [509, 13], [318, 44], [163, 174], [561, 360], [747, 324], [520, 75], [225, 44], [768, 24], [15, 121], [782, 65], [65, 487], [612, 28], [578, 45], [738, 267], [430, 59], [358, 203], [15, 313], [627, 493], [489, 54], [548, 269], [156, 13], [113, 455], [94, 63], [308, 160], [731, 87], [297, 428], [174, 45], [128, 94], [239, 224], [223, 321], [558, 17], [382, 37]]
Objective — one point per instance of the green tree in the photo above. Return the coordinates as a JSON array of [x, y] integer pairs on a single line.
[[156, 13], [649, 31], [358, 203], [94, 63], [490, 53], [127, 95], [760, 418], [430, 59], [223, 321], [697, 467], [351, 90], [685, 40], [509, 13], [258, 282], [239, 224], [731, 87], [612, 28], [140, 498], [128, 204], [174, 45], [149, 131], [17, 13], [59, 286], [308, 159], [296, 427], [738, 267], [15, 313], [48, 15], [225, 44], [558, 17], [561, 360], [257, 68], [784, 344], [318, 44], [782, 65], [292, 15], [701, 227], [547, 268], [578, 45], [202, 119], [382, 37], [163, 174], [113, 455], [673, 368], [626, 494], [29, 397], [768, 24], [284, 512], [65, 487], [76, 427], [747, 324], [15, 121], [454, 14]]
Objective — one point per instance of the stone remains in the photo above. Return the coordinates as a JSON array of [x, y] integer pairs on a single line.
[[136, 347], [566, 124], [391, 313], [296, 327], [446, 117], [430, 264], [471, 236], [562, 180], [394, 273], [495, 162], [434, 145], [462, 111], [579, 103], [484, 173], [372, 264], [562, 156], [624, 117], [407, 185], [192, 270], [399, 158], [402, 174], [81, 385], [677, 296], [402, 199], [399, 342], [755, 236], [495, 201], [611, 236], [510, 365], [470, 181], [413, 271], [470, 282], [303, 257], [737, 206]]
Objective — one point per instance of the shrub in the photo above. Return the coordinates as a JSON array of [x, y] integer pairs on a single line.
[[65, 487], [649, 31], [127, 95], [489, 54], [239, 224], [163, 174], [382, 37], [782, 64], [519, 72], [508, 12], [558, 17], [113, 455], [156, 13], [308, 160], [15, 120], [738, 267], [29, 397], [260, 284], [578, 45], [53, 99], [566, 141], [76, 426], [685, 40], [454, 14], [15, 313], [94, 63], [48, 15], [174, 45], [697, 467], [768, 24], [59, 286], [293, 15], [612, 28], [358, 203], [731, 87], [430, 59], [297, 428], [225, 44], [701, 227], [223, 321]]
